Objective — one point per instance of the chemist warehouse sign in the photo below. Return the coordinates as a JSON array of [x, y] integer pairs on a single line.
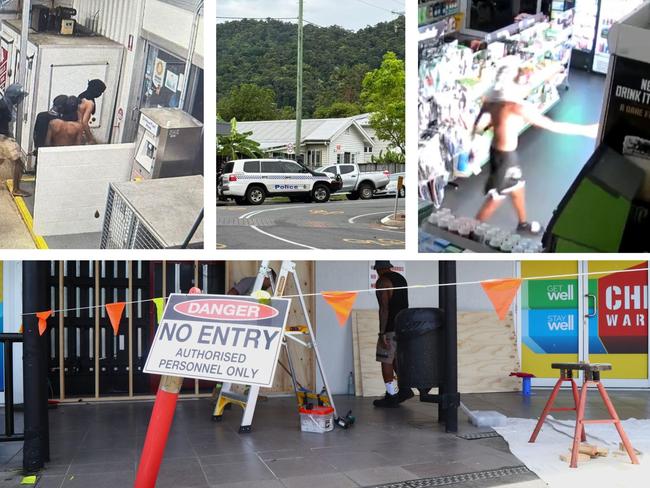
[[219, 338]]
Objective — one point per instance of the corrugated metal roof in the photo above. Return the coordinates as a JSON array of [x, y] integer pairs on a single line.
[[185, 4], [276, 133]]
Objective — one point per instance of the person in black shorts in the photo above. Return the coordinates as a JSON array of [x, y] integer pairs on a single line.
[[507, 114], [391, 301]]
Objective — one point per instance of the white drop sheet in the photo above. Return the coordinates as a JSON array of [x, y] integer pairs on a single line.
[[543, 456]]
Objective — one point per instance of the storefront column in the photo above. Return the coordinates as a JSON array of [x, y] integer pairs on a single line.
[[36, 451], [449, 397]]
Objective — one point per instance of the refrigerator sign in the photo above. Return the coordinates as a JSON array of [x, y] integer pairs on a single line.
[[623, 312], [627, 123]]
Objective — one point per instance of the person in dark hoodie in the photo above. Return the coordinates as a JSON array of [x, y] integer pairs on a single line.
[[67, 131], [43, 120], [9, 148], [87, 106]]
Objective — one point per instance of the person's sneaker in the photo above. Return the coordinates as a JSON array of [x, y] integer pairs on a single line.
[[389, 401], [404, 394], [534, 228]]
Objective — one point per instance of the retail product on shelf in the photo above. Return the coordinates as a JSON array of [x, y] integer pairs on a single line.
[[431, 11], [454, 78], [450, 233]]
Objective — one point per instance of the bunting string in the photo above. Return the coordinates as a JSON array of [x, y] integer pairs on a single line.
[[408, 287]]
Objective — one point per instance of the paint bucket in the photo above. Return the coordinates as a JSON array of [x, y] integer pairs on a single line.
[[317, 419]]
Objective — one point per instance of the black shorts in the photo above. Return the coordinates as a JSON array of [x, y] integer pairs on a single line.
[[505, 173]]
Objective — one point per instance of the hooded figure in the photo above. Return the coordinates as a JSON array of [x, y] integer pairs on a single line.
[[14, 95], [95, 89], [9, 148], [43, 120]]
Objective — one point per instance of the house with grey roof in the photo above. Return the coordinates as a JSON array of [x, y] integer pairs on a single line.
[[324, 141]]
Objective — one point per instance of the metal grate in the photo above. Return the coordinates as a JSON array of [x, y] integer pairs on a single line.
[[472, 436], [122, 228], [461, 478]]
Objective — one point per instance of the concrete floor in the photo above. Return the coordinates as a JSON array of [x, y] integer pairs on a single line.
[[550, 161], [99, 445], [13, 232]]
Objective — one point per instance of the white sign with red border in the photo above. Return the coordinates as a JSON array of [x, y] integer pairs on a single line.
[[233, 339]]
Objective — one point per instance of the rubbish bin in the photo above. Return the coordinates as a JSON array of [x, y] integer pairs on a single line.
[[419, 336]]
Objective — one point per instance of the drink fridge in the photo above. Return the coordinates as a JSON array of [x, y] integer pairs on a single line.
[[592, 22]]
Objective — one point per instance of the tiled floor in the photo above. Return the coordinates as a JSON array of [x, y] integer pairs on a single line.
[[98, 445]]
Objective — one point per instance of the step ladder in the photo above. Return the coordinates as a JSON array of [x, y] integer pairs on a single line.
[[303, 335]]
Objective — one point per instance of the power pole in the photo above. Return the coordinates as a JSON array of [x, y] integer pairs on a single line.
[[299, 82]]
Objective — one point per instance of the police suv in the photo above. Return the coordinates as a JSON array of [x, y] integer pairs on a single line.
[[251, 181]]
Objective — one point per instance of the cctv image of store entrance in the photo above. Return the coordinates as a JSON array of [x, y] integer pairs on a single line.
[[534, 127], [470, 374], [101, 133]]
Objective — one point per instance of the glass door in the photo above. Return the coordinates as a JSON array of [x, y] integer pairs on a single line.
[[549, 314], [610, 12], [616, 320]]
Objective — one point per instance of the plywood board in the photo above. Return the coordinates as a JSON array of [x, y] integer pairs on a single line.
[[487, 353], [372, 383], [358, 390], [72, 186]]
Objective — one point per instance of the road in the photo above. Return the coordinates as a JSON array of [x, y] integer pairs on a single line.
[[332, 225]]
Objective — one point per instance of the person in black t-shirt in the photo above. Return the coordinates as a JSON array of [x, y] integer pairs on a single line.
[[43, 120], [391, 302], [9, 148]]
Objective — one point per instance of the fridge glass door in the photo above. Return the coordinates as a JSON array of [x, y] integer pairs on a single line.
[[585, 24], [610, 12]]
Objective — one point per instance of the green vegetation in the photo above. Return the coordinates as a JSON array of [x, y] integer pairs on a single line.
[[256, 60], [383, 96], [237, 144]]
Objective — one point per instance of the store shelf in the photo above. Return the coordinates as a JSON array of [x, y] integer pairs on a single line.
[[455, 239]]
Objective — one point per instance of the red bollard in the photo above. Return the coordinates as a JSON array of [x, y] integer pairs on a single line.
[[158, 431], [159, 426]]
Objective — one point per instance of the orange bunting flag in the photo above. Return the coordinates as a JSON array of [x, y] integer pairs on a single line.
[[115, 311], [342, 303], [42, 321], [501, 293]]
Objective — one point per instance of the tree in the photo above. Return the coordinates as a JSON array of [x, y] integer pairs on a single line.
[[383, 96], [249, 102], [337, 110], [237, 144]]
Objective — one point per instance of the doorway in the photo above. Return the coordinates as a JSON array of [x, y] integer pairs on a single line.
[[594, 311]]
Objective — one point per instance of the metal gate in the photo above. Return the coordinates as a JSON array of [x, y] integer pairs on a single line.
[[85, 359]]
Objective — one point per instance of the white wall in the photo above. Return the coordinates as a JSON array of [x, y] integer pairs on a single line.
[[72, 185], [351, 141], [335, 343], [12, 284], [174, 25]]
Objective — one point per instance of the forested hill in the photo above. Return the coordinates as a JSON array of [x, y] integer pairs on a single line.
[[263, 53]]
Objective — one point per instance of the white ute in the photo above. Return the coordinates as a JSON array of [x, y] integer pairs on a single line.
[[356, 183]]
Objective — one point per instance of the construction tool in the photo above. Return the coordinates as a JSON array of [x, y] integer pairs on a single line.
[[248, 400]]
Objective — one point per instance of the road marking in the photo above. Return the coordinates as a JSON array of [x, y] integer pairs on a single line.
[[221, 246], [326, 212], [282, 238], [352, 219], [256, 212], [374, 242]]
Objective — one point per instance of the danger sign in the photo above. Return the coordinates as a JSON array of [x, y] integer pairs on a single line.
[[219, 338]]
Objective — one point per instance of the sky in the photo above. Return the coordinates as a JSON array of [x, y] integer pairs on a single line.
[[350, 14]]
